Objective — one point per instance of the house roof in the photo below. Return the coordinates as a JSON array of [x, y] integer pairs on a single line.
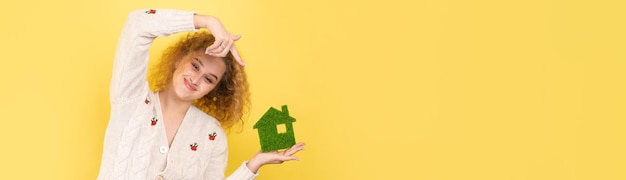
[[273, 117]]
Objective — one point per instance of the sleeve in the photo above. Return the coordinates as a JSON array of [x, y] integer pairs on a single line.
[[131, 57], [242, 173]]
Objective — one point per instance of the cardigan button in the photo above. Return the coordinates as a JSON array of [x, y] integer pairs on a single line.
[[163, 149], [159, 177]]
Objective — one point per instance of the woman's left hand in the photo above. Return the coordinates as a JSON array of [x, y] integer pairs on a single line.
[[224, 40], [275, 157]]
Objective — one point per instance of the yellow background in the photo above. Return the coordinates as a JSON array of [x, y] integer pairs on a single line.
[[390, 89]]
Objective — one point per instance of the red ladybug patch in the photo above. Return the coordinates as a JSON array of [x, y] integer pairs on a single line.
[[151, 11], [153, 121], [194, 146], [212, 136]]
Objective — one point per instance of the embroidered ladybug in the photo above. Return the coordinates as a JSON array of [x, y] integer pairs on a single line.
[[194, 146], [147, 101], [212, 136], [153, 121], [151, 11]]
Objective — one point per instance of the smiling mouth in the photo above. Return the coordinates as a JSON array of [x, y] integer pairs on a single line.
[[189, 86]]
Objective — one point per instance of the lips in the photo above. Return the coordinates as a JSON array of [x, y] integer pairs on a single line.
[[188, 85]]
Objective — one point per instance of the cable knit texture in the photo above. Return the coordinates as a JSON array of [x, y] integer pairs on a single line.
[[135, 144]]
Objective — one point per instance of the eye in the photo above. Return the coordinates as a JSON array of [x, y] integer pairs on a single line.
[[195, 66], [208, 80]]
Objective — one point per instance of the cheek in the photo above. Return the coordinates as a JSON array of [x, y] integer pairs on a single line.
[[182, 72], [207, 88]]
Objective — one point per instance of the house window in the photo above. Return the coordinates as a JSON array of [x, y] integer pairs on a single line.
[[281, 128]]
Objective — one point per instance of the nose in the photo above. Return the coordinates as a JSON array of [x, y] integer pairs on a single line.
[[196, 79]]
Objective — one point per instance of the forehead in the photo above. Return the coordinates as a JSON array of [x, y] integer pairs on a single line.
[[210, 64]]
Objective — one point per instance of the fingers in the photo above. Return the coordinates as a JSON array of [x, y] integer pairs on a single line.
[[235, 52], [226, 47], [287, 155], [279, 159], [222, 46], [276, 157], [236, 55], [237, 37], [213, 48], [287, 158], [294, 149]]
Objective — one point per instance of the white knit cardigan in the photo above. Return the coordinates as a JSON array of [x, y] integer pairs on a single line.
[[135, 144]]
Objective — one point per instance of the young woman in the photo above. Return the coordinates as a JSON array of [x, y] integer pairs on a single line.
[[175, 132]]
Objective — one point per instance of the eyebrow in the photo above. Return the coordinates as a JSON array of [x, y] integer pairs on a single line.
[[203, 66], [199, 61], [214, 76]]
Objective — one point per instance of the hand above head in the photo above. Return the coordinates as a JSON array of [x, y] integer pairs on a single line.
[[275, 157], [224, 40]]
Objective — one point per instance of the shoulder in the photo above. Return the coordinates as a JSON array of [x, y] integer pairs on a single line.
[[203, 118], [206, 122]]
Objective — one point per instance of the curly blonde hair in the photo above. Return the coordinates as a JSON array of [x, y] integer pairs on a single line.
[[228, 101]]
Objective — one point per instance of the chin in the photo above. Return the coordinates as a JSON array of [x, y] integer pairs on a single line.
[[187, 95], [183, 94]]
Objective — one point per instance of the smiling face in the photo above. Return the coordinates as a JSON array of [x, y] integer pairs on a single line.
[[227, 100], [196, 75]]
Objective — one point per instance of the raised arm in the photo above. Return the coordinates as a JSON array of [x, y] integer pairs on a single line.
[[131, 57], [141, 28]]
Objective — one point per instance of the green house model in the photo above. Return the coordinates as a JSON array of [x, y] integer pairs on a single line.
[[276, 130]]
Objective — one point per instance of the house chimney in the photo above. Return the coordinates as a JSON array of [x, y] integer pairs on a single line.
[[285, 109]]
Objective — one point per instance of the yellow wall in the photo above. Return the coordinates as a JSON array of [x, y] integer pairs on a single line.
[[390, 89]]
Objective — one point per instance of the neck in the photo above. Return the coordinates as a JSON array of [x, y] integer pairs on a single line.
[[171, 104]]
